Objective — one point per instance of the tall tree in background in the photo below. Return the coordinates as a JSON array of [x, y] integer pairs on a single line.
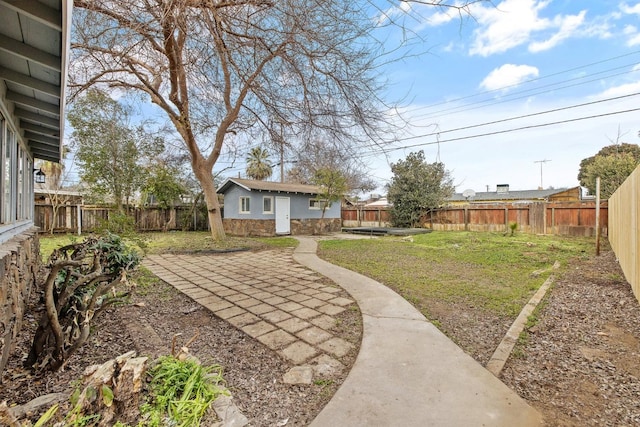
[[609, 150], [163, 182], [613, 164], [109, 151], [317, 155], [258, 165], [417, 186]]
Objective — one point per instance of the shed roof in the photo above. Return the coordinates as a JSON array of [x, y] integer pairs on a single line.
[[34, 41], [279, 187], [508, 195]]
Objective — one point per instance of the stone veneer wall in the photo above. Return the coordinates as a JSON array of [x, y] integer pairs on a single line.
[[18, 270], [267, 227]]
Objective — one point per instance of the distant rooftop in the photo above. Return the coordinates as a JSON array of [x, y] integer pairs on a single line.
[[506, 194], [281, 187]]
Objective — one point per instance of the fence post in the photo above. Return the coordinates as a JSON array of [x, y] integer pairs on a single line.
[[597, 216], [466, 218], [79, 219], [506, 219]]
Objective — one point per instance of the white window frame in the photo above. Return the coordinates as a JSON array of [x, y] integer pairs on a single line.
[[244, 205], [315, 204], [16, 181], [270, 210]]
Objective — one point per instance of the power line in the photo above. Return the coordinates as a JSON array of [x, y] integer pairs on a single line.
[[385, 151], [513, 97], [539, 113]]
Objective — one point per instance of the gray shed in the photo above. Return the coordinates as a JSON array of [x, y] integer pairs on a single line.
[[263, 208]]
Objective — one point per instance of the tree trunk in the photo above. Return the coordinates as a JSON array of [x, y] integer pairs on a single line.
[[205, 177]]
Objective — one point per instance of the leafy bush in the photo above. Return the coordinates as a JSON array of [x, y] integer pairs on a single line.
[[84, 278]]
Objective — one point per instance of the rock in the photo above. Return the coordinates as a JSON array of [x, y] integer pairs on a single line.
[[37, 404], [228, 412], [326, 366], [298, 375]]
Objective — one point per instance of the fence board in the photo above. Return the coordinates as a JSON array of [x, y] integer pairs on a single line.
[[93, 218], [563, 218], [624, 207]]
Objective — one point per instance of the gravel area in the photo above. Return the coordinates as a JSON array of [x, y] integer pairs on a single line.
[[580, 365]]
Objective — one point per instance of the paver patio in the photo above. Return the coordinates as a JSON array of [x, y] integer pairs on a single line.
[[265, 294]]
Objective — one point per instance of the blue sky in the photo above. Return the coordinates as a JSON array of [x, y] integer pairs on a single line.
[[518, 58]]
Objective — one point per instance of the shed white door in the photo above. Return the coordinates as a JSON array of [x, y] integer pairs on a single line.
[[283, 224]]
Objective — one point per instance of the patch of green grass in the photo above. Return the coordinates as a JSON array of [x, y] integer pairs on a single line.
[[175, 241], [182, 390], [147, 283], [48, 243], [201, 241], [487, 270]]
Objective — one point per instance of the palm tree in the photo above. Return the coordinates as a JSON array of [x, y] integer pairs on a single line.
[[258, 166]]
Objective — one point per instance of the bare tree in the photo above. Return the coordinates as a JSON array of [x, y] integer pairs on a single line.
[[316, 155], [221, 68]]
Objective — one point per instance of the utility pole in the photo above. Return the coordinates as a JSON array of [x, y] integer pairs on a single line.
[[597, 216], [541, 163]]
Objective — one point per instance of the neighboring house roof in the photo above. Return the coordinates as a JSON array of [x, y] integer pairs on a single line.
[[523, 195], [382, 202], [279, 187], [59, 192], [34, 42]]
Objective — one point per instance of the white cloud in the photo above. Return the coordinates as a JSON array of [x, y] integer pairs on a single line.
[[568, 26], [508, 75], [508, 25], [634, 37], [629, 10], [439, 18], [634, 41], [623, 89]]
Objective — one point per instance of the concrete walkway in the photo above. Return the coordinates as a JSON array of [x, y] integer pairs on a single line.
[[407, 372]]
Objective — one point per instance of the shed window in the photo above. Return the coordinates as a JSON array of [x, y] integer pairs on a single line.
[[245, 204], [267, 205], [318, 203]]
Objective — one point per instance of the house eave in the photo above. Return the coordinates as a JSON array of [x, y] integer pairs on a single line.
[[35, 43]]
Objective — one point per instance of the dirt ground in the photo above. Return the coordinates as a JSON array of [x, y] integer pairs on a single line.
[[579, 365]]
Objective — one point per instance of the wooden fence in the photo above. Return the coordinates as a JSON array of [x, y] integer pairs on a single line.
[[562, 218], [624, 208], [362, 216], [79, 218]]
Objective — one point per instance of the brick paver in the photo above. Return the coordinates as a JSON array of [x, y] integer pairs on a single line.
[[268, 296]]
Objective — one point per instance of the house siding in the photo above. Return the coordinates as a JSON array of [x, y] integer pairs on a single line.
[[299, 205], [302, 219]]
